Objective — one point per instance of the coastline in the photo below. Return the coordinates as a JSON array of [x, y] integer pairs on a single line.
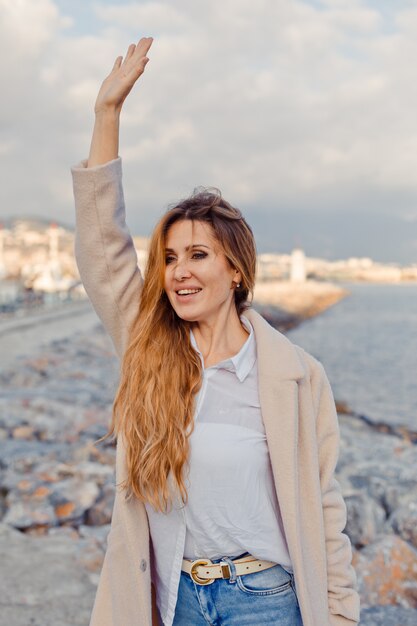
[[57, 490], [23, 336], [286, 305]]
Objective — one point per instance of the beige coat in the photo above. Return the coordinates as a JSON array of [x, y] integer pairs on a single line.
[[300, 422]]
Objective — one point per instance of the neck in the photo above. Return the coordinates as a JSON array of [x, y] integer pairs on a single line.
[[221, 338]]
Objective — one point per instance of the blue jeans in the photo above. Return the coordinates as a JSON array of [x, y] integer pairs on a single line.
[[263, 598]]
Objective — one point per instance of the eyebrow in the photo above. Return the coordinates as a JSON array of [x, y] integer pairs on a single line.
[[195, 245]]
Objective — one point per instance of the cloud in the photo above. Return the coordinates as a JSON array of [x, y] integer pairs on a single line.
[[27, 26], [282, 105]]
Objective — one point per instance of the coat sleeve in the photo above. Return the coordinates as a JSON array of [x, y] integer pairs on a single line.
[[343, 598], [104, 249]]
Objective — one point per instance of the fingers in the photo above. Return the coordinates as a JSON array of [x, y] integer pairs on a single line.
[[142, 47], [135, 55], [131, 49], [117, 63], [137, 69], [140, 50], [133, 64]]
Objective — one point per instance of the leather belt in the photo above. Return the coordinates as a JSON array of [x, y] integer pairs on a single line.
[[204, 571]]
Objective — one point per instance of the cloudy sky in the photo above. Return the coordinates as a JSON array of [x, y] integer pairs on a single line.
[[303, 113]]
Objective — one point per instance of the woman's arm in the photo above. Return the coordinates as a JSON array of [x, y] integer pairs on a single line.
[[104, 249], [113, 92], [343, 598]]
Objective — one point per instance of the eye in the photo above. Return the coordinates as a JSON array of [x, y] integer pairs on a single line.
[[169, 259], [199, 255]]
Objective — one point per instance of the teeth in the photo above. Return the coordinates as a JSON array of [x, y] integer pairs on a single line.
[[183, 292]]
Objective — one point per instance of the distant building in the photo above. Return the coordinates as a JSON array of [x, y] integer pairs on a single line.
[[273, 266], [41, 257], [48, 277]]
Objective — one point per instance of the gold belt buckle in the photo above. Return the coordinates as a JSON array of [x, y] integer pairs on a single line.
[[194, 575]]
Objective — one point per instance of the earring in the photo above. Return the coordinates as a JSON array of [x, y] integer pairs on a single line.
[[237, 285]]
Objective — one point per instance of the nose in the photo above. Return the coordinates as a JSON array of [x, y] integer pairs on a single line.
[[181, 271]]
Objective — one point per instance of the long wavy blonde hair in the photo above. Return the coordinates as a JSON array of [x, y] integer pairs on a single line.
[[161, 372]]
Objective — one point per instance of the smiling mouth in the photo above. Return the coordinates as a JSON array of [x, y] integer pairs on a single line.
[[187, 292]]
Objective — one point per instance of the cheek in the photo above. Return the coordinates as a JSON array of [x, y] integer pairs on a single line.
[[167, 278], [169, 283], [221, 284]]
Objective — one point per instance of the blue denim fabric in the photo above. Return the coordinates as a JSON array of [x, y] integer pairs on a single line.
[[263, 598]]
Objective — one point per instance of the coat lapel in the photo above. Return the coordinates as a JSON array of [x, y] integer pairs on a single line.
[[279, 369]]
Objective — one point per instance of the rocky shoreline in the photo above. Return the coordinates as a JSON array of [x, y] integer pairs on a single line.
[[57, 490], [286, 304]]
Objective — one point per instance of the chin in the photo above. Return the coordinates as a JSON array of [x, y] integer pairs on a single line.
[[187, 317]]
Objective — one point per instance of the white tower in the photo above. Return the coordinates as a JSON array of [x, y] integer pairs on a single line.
[[298, 266]]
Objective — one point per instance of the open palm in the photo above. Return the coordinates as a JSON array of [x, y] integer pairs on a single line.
[[118, 84]]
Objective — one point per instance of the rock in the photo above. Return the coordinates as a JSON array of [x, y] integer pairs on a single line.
[[91, 557], [38, 504], [384, 488], [42, 581], [98, 472], [388, 616], [25, 454], [3, 505], [100, 513], [72, 498], [365, 518], [277, 317], [404, 522], [24, 514], [387, 572], [93, 431], [402, 493], [23, 432], [63, 531], [301, 299], [97, 533]]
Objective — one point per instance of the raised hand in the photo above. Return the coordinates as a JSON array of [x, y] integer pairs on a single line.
[[113, 92], [118, 84]]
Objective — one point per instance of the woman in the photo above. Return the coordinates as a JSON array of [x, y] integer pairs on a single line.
[[227, 510]]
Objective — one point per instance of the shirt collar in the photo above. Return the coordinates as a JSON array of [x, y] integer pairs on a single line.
[[242, 362]]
